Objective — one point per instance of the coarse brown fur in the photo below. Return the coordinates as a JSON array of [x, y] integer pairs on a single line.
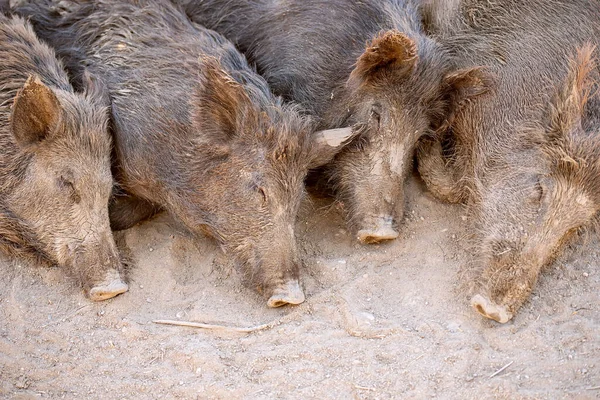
[[528, 171], [197, 131], [55, 178], [392, 90]]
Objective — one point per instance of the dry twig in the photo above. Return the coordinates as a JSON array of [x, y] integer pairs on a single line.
[[364, 388], [501, 369], [214, 327]]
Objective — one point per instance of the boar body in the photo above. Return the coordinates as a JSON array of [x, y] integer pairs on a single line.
[[197, 132], [313, 52], [524, 157], [55, 178]]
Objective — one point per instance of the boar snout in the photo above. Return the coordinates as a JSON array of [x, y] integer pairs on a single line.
[[287, 293], [98, 265], [109, 287], [509, 284], [378, 229], [490, 309]]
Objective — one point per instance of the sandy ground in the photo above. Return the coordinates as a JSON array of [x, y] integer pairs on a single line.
[[380, 322]]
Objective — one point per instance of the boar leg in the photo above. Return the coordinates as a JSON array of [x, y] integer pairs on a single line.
[[126, 211], [436, 173]]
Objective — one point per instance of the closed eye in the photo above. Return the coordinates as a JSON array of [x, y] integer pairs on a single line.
[[263, 194], [376, 114], [537, 192], [68, 186]]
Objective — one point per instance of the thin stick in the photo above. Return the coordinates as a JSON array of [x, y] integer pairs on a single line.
[[501, 369], [365, 388], [213, 327], [593, 388], [413, 360]]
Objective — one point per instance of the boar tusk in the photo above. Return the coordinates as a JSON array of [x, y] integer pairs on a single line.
[[334, 137]]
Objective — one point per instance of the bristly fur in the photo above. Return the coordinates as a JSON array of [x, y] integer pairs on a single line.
[[46, 125], [198, 132], [17, 63], [524, 158], [392, 89]]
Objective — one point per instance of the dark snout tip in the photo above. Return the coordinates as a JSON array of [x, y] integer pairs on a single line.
[[288, 293], [490, 309]]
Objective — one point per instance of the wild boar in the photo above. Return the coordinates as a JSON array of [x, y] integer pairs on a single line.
[[525, 156], [55, 159], [392, 91], [197, 131]]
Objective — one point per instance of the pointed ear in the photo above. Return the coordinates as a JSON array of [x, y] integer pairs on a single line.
[[221, 106], [469, 82], [328, 143], [390, 52], [568, 105], [463, 85], [35, 112]]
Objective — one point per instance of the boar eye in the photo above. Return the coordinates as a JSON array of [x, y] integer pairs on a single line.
[[537, 193], [67, 185], [262, 193], [376, 113]]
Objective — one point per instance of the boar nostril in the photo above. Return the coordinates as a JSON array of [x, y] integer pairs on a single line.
[[288, 293]]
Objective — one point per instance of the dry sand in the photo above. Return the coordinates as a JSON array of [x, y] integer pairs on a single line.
[[380, 322]]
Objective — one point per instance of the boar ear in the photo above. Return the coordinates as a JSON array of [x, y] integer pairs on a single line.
[[469, 82], [569, 102], [464, 85], [391, 52], [35, 112], [95, 89], [328, 143], [220, 105]]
